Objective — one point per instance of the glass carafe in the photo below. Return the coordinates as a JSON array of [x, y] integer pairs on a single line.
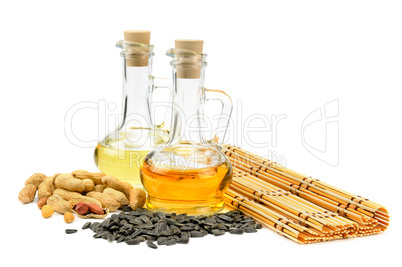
[[188, 174], [122, 151]]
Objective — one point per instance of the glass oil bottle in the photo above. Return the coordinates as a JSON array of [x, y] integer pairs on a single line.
[[188, 174], [122, 151]]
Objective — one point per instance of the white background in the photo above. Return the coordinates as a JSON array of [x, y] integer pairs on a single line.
[[280, 57]]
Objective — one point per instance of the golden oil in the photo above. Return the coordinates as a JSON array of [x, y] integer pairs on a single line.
[[191, 191]]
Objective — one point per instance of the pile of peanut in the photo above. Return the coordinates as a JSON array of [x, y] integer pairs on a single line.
[[90, 195]]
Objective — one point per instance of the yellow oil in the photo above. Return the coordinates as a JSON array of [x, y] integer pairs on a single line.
[[123, 164], [121, 153]]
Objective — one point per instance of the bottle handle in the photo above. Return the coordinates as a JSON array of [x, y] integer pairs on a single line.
[[226, 112], [159, 83]]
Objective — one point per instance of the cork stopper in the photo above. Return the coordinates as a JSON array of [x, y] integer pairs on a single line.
[[191, 67], [189, 45], [141, 37], [137, 56]]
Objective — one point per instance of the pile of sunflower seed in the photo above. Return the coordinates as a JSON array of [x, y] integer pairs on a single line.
[[142, 225]]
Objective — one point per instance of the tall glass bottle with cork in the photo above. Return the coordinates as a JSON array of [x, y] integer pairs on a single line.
[[188, 174], [121, 152]]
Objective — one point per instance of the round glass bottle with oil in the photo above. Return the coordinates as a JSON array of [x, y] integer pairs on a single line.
[[122, 151], [188, 174]]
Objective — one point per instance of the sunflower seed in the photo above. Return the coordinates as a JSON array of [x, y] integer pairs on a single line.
[[171, 242], [126, 208], [183, 240], [151, 238], [225, 218], [210, 221], [86, 225], [97, 235], [145, 219], [114, 227], [196, 234], [160, 215], [152, 233], [250, 230], [162, 240], [154, 220], [71, 231], [185, 235], [166, 233], [151, 245], [94, 226], [187, 228], [115, 217], [247, 219], [137, 232], [120, 239], [110, 237], [218, 232], [171, 221], [133, 242], [236, 231]]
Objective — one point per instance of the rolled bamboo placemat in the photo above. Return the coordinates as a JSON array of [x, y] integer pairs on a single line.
[[297, 206]]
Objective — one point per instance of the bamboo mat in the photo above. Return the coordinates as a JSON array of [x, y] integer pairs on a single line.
[[297, 206]]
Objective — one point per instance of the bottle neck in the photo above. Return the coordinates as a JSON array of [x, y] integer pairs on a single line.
[[188, 109], [136, 93]]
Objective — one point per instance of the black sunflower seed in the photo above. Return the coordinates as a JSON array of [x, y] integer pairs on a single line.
[[171, 221], [160, 215], [162, 240], [126, 208], [86, 225], [94, 226], [183, 240], [71, 231], [151, 238], [250, 230], [152, 233], [171, 242], [110, 238], [145, 219], [97, 235], [184, 235], [166, 233], [197, 234], [175, 229], [187, 228], [210, 221], [137, 232], [236, 231], [133, 242], [218, 232], [120, 239], [225, 218], [247, 219], [151, 245], [163, 226]]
